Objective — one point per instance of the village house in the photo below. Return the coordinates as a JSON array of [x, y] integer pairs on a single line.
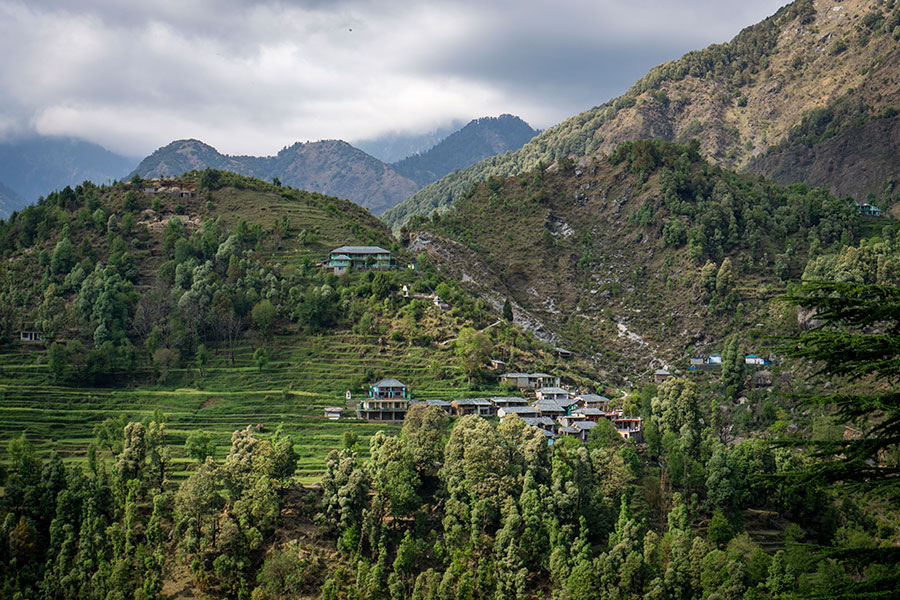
[[699, 363], [544, 423], [359, 258], [869, 210], [521, 411], [529, 381], [660, 375], [583, 429], [388, 401], [333, 413], [757, 361], [549, 408], [563, 353], [31, 336], [592, 401], [628, 427], [473, 406], [507, 401], [441, 404], [553, 393]]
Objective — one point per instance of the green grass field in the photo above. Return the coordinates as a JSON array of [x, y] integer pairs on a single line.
[[305, 375]]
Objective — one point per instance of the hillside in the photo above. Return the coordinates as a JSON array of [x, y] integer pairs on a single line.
[[164, 295], [622, 258], [330, 167], [738, 99], [476, 141], [37, 166]]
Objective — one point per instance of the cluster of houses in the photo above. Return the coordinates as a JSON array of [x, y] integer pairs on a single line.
[[542, 404], [169, 187], [714, 361]]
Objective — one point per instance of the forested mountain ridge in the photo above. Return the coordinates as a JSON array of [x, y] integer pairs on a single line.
[[479, 139], [830, 64], [330, 167], [633, 258], [34, 167]]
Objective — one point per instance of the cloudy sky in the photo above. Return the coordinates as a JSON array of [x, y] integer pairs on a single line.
[[250, 77]]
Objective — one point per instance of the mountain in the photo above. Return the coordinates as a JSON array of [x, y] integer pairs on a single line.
[[331, 167], [36, 166], [397, 146], [476, 141], [8, 201], [794, 87], [619, 257]]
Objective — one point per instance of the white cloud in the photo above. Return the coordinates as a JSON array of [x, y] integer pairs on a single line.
[[251, 77]]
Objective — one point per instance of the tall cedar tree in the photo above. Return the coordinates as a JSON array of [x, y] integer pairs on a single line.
[[857, 340]]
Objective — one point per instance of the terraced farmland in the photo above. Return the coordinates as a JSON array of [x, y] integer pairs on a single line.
[[304, 376]]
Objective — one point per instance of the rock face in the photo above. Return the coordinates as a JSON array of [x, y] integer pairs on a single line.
[[859, 161], [331, 167]]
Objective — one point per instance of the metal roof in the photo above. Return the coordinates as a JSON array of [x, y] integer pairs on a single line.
[[473, 401], [361, 250], [593, 398], [511, 410], [538, 421], [388, 382], [509, 399], [553, 390], [584, 424]]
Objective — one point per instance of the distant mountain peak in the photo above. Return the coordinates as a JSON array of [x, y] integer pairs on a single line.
[[479, 139], [331, 167]]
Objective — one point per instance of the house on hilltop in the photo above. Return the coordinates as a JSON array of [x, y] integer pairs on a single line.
[[359, 258], [388, 400]]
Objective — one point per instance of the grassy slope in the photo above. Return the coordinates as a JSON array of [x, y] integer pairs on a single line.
[[316, 370], [737, 99]]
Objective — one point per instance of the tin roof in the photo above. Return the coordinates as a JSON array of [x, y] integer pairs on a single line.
[[360, 250]]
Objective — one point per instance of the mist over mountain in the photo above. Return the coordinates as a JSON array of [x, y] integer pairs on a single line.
[[34, 167], [8, 200], [479, 139], [393, 147]]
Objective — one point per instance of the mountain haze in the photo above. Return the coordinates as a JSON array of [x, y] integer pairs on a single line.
[[828, 67], [476, 141], [392, 147], [8, 201], [34, 167]]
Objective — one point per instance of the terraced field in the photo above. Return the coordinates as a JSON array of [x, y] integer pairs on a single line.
[[304, 376]]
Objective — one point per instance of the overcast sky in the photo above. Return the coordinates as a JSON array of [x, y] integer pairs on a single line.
[[251, 77]]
